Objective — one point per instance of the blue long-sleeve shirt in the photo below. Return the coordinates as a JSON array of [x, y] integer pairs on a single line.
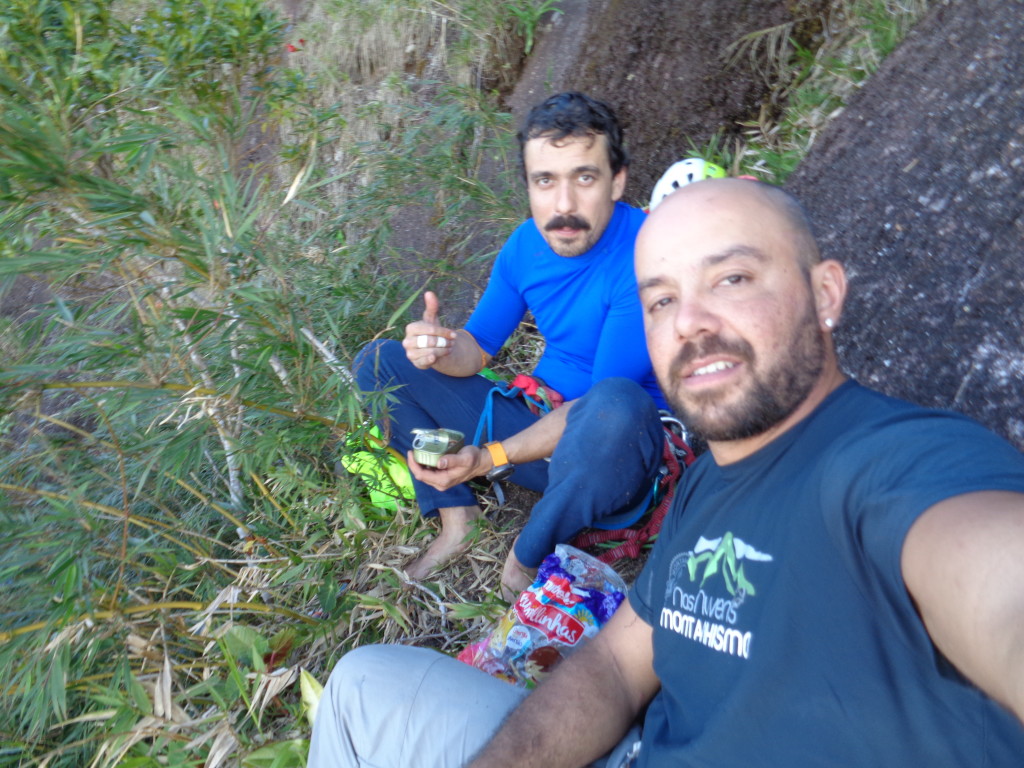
[[586, 307]]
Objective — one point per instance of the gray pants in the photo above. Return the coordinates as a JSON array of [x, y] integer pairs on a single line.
[[403, 707]]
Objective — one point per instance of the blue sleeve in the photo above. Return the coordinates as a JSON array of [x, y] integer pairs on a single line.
[[502, 306]]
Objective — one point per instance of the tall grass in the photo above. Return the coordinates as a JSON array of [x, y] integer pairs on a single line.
[[812, 77], [181, 290]]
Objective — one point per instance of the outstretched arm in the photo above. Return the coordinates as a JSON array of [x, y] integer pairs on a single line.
[[586, 706], [963, 564]]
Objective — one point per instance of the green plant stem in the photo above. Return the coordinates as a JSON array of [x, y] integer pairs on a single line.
[[341, 427], [137, 610]]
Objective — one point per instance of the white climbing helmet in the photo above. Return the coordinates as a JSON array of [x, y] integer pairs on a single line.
[[682, 173]]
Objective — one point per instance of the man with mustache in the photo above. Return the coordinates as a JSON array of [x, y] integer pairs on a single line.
[[570, 266], [838, 582]]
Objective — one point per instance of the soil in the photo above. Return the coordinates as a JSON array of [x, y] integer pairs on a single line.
[[667, 68]]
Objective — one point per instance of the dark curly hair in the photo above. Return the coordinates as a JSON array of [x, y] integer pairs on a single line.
[[574, 114]]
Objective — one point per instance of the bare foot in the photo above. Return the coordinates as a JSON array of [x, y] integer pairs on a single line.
[[515, 577], [457, 524]]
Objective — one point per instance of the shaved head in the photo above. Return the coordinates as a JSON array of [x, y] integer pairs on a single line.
[[788, 213], [792, 212]]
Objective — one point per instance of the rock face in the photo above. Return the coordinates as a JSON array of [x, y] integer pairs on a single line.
[[671, 70], [663, 65], [918, 188]]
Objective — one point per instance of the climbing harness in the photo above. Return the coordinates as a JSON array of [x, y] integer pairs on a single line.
[[676, 455], [539, 398]]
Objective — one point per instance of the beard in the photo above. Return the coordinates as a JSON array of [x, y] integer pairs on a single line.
[[773, 395], [574, 248]]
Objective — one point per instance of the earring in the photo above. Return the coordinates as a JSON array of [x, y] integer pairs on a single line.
[[829, 323]]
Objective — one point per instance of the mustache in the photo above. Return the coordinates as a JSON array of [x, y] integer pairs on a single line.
[[711, 345], [567, 222]]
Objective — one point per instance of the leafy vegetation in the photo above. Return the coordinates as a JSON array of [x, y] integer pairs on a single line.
[[191, 267]]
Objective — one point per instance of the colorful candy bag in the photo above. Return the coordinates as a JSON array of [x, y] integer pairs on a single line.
[[572, 597]]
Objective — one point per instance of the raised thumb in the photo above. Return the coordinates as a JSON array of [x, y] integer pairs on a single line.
[[430, 307]]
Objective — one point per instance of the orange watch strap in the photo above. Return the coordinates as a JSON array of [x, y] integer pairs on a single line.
[[498, 456]]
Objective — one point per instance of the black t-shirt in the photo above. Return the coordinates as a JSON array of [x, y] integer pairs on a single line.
[[783, 632]]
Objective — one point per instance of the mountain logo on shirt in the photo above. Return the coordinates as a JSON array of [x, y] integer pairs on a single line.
[[725, 553], [695, 606]]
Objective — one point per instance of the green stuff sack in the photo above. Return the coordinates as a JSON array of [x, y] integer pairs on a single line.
[[386, 475], [387, 479]]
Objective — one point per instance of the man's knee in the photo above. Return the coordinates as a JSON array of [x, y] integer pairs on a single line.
[[379, 669], [394, 705], [365, 687], [350, 675], [617, 406], [333, 741], [375, 363]]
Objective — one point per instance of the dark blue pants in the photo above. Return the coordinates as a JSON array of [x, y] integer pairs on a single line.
[[600, 474]]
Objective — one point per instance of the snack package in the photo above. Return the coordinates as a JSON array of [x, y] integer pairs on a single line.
[[572, 597]]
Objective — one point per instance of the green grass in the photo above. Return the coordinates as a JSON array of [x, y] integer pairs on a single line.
[[209, 239], [814, 81]]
